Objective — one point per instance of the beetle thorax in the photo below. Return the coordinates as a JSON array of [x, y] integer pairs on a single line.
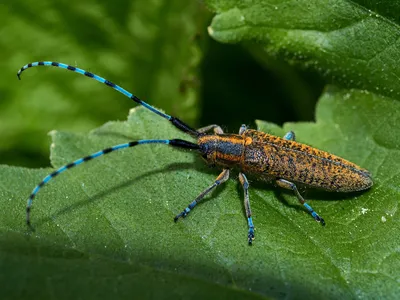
[[224, 150]]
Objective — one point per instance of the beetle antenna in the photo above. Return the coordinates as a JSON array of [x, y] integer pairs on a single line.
[[175, 143], [175, 121]]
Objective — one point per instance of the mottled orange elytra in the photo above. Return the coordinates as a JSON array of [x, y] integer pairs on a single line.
[[268, 158]]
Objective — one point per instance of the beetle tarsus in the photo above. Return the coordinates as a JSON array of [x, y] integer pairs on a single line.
[[183, 214], [250, 236]]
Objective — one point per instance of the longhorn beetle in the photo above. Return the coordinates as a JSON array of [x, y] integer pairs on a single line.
[[268, 158]]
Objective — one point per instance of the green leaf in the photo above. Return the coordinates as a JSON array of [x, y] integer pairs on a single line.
[[150, 49], [354, 42], [106, 228]]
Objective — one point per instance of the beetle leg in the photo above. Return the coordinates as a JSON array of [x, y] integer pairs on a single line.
[[220, 179], [242, 129], [216, 128], [290, 136], [245, 184], [291, 186]]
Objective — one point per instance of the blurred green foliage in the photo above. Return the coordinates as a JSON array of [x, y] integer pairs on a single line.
[[159, 50], [148, 47]]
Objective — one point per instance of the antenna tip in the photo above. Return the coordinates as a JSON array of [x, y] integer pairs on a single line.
[[19, 74]]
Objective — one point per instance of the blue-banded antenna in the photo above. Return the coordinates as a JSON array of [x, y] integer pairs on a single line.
[[175, 121], [175, 143]]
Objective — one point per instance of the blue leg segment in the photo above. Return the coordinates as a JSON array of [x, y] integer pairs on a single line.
[[290, 136], [176, 122], [175, 143], [314, 214], [291, 186], [187, 210], [250, 235], [224, 176], [245, 184]]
